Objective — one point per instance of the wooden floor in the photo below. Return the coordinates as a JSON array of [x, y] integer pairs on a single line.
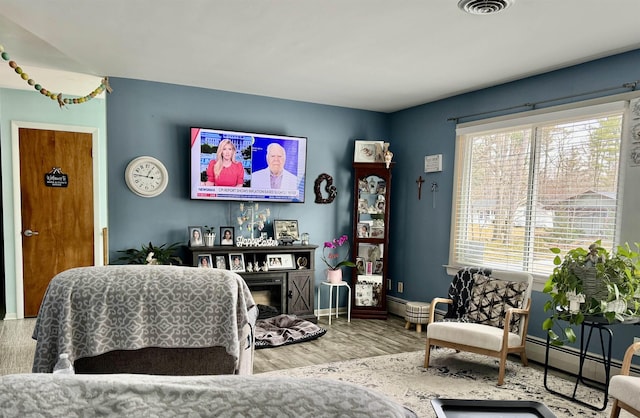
[[343, 341]]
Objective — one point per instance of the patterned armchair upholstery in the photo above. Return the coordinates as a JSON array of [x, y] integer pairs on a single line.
[[488, 314]]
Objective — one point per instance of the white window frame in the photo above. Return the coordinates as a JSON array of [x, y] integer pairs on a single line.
[[617, 103]]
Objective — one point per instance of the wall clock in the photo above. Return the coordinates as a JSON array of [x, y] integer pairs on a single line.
[[146, 176]]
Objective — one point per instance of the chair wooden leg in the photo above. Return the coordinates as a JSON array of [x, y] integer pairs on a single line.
[[503, 363], [407, 325], [523, 358], [615, 409], [427, 352], [418, 327]]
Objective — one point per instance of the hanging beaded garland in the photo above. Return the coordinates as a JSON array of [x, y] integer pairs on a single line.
[[104, 85]]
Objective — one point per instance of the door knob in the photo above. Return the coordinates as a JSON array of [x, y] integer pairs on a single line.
[[29, 233]]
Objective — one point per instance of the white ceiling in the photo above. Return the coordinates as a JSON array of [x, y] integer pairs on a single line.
[[381, 55]]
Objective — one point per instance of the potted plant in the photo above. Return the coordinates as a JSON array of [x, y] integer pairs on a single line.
[[334, 271], [151, 254], [209, 235], [592, 283]]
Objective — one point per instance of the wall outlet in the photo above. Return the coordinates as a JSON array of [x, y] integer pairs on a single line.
[[635, 340], [400, 287], [389, 284]]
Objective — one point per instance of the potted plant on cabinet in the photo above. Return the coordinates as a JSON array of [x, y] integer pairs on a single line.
[[151, 254], [591, 283], [209, 235]]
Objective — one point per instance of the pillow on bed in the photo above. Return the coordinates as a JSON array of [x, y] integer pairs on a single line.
[[490, 299]]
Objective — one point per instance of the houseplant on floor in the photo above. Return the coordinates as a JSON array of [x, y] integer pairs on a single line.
[[591, 283]]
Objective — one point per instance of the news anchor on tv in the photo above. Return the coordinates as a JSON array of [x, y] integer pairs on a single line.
[[225, 170], [274, 176]]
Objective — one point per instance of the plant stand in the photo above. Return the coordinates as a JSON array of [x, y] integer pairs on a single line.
[[603, 327]]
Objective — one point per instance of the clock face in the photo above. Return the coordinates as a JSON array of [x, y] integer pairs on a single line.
[[146, 176]]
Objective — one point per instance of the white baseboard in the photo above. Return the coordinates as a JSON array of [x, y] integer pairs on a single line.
[[395, 306]]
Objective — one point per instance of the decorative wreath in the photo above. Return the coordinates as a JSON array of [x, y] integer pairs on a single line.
[[329, 188]]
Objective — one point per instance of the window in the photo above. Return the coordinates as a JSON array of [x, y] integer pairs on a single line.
[[528, 184]]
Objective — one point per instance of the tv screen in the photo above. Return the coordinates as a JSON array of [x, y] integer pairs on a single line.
[[231, 165]]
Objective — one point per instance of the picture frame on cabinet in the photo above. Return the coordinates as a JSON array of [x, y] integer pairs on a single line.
[[376, 232], [221, 262], [368, 151], [204, 261], [227, 235], [363, 206], [286, 230], [360, 265], [279, 261], [196, 238], [377, 266], [364, 229], [236, 262], [368, 290]]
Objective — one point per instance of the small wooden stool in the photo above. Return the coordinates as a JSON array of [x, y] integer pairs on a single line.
[[416, 313]]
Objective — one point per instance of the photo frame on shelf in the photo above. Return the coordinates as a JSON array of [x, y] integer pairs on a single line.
[[221, 262], [227, 235], [236, 262], [360, 265], [204, 261], [364, 229], [286, 230], [377, 266], [280, 261], [196, 238], [368, 152], [377, 232], [368, 290]]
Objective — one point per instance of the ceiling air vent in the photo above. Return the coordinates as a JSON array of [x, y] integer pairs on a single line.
[[484, 7]]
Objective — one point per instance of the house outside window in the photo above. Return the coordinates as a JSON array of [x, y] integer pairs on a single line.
[[525, 185]]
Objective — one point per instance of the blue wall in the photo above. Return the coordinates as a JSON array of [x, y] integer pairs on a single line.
[[420, 240], [146, 118]]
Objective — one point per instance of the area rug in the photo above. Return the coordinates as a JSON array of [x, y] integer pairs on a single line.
[[403, 378], [285, 329]]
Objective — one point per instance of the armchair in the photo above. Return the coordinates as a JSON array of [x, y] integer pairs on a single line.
[[624, 389], [490, 317]]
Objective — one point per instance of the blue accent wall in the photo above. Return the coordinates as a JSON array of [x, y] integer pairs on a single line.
[[147, 118], [420, 240]]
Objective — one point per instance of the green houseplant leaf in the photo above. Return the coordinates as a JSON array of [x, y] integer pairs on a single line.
[[608, 284]]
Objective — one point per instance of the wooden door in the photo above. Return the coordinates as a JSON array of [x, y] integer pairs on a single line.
[[59, 214]]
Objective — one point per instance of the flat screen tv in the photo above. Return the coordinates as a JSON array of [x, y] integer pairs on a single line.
[[231, 165]]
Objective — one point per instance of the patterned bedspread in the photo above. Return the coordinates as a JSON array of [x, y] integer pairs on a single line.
[[88, 311], [189, 396]]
